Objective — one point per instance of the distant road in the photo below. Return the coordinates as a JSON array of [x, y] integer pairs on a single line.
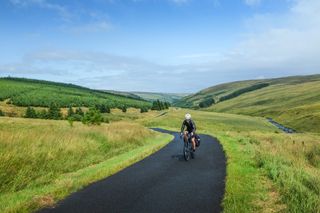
[[162, 182]]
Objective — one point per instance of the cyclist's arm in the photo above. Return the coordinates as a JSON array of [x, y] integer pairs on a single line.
[[183, 127], [194, 127]]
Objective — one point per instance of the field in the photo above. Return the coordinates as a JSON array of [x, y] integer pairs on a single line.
[[292, 101], [268, 171], [43, 161], [26, 92]]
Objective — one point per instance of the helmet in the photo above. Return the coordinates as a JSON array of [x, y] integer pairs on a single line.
[[187, 116]]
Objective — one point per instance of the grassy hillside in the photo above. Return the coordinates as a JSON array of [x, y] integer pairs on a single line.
[[26, 92], [43, 161], [152, 96], [123, 93], [267, 171], [292, 101]]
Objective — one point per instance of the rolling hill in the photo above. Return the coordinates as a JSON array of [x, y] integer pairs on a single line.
[[293, 101], [29, 92], [152, 96]]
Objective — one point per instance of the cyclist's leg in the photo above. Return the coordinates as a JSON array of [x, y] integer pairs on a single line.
[[185, 137], [193, 143]]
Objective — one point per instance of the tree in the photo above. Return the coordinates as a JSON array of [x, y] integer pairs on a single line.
[[166, 105], [206, 103], [78, 114], [243, 90], [103, 108], [30, 113], [70, 112], [124, 108], [92, 117], [143, 109], [79, 111], [159, 105], [155, 105], [54, 112]]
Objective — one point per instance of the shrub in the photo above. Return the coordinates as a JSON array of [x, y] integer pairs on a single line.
[[143, 109], [77, 117], [124, 109], [79, 111], [103, 108], [70, 112], [30, 113], [92, 117], [43, 114], [54, 112]]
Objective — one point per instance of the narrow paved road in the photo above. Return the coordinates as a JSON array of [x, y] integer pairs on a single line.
[[162, 182]]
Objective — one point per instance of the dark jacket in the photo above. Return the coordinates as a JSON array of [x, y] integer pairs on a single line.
[[191, 126]]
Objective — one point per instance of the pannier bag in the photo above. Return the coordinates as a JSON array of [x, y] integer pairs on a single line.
[[197, 140]]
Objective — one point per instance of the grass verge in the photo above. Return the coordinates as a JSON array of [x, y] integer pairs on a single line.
[[267, 171], [37, 173]]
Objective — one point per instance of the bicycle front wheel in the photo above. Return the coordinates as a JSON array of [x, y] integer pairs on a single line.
[[186, 151]]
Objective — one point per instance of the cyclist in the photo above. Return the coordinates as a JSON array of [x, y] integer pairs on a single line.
[[190, 131]]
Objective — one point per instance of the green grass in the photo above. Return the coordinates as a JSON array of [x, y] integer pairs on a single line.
[[153, 96], [214, 92], [44, 161], [26, 92], [296, 106], [292, 101], [267, 171]]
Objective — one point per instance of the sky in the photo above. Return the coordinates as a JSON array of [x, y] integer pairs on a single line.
[[158, 45]]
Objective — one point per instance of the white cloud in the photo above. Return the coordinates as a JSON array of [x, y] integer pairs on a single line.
[[273, 45], [61, 10], [72, 21]]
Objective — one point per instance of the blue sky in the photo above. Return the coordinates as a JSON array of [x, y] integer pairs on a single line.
[[158, 45]]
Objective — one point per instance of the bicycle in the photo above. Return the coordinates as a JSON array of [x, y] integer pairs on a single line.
[[187, 149]]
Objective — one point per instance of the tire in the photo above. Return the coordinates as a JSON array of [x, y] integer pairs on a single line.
[[186, 151], [192, 154]]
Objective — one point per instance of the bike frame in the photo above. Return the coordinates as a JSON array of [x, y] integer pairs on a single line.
[[187, 148]]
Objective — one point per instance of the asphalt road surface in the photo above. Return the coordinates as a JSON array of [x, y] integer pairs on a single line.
[[163, 182]]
